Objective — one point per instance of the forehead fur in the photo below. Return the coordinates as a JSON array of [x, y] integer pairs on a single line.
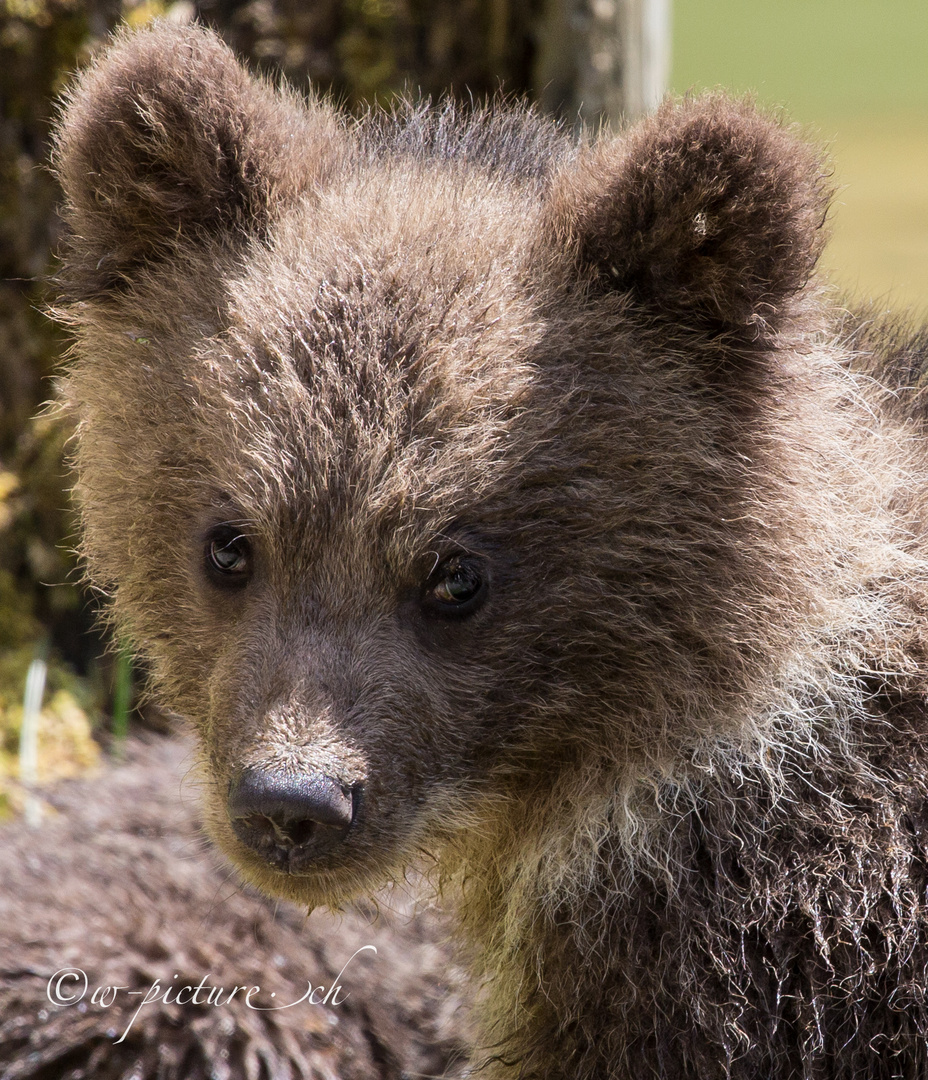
[[391, 322], [369, 361]]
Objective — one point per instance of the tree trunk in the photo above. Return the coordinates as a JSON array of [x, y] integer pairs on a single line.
[[603, 61]]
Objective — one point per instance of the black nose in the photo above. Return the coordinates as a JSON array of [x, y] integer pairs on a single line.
[[290, 818]]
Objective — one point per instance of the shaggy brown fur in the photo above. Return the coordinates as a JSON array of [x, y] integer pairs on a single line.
[[119, 886], [667, 742]]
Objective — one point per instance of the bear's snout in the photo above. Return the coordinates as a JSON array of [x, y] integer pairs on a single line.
[[290, 819]]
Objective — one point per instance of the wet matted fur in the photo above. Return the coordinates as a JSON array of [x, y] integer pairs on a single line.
[[571, 524]]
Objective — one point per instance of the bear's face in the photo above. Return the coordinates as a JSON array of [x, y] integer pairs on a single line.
[[423, 460], [351, 442]]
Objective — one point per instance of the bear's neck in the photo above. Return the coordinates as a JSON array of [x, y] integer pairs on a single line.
[[619, 926]]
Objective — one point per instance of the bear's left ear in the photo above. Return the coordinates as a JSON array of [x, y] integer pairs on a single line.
[[167, 143], [707, 213]]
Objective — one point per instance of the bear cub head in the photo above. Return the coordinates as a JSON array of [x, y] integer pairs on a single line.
[[432, 458]]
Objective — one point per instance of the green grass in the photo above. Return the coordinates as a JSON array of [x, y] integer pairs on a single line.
[[855, 73], [823, 59], [879, 247]]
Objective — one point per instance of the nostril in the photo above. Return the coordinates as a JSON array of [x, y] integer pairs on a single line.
[[289, 817], [290, 797]]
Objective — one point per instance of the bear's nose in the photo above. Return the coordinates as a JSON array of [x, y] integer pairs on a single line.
[[290, 818]]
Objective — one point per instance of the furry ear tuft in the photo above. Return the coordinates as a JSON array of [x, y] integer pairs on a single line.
[[708, 212], [166, 140]]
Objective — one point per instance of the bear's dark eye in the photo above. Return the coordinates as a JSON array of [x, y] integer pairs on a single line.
[[456, 587], [228, 556]]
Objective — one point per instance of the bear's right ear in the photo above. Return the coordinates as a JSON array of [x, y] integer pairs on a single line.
[[166, 141], [707, 214]]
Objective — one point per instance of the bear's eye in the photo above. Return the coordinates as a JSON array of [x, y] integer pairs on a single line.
[[456, 587], [228, 556]]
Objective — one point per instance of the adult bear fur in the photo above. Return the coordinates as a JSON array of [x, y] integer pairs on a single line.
[[669, 758], [119, 886]]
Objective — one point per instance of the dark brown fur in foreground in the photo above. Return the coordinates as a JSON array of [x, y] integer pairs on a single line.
[[120, 887], [669, 754]]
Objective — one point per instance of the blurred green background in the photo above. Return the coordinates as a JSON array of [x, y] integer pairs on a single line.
[[855, 74]]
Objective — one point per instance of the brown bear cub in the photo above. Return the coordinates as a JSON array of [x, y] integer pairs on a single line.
[[521, 504]]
